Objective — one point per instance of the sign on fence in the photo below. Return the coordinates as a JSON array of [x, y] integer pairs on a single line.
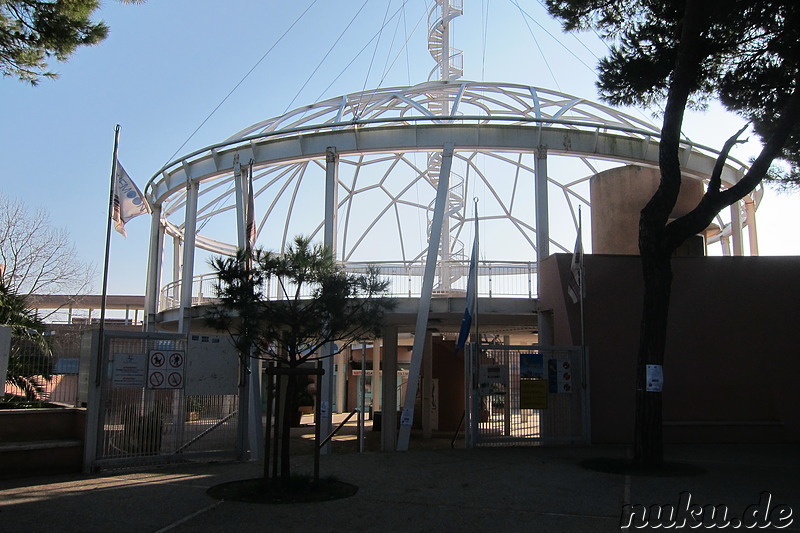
[[166, 369], [129, 370]]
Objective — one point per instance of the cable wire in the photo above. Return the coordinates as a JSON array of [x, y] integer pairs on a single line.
[[525, 17], [240, 82], [374, 52], [326, 55], [363, 48]]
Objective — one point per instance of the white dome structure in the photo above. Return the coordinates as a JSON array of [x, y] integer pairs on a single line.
[[387, 177], [361, 172]]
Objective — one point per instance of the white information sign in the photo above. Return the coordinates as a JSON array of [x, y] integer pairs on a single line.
[[405, 418], [129, 370], [655, 378]]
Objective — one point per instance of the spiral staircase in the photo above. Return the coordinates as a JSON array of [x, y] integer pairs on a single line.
[[449, 67]]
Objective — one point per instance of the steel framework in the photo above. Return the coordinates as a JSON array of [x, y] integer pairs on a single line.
[[382, 176], [361, 173], [380, 142]]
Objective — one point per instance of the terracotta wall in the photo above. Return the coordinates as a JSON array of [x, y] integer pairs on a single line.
[[448, 369], [731, 363]]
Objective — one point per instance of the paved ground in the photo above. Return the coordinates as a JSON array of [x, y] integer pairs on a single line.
[[430, 488]]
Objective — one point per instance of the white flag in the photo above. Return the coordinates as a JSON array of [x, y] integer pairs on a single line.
[[575, 287], [129, 201]]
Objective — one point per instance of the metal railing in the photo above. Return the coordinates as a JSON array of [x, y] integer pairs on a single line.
[[496, 279]]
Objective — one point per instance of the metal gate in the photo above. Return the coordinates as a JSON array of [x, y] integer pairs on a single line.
[[526, 395], [157, 397]]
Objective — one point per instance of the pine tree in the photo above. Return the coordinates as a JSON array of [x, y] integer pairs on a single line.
[[317, 303], [33, 32], [683, 53]]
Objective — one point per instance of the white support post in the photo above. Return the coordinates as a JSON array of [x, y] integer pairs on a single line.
[[152, 290], [329, 240], [542, 227], [725, 242], [177, 267], [331, 197], [542, 223], [341, 382], [377, 352], [187, 272], [407, 416], [389, 400], [736, 228], [542, 206], [255, 434], [750, 210], [427, 387]]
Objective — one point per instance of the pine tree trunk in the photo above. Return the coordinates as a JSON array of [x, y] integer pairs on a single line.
[[648, 436]]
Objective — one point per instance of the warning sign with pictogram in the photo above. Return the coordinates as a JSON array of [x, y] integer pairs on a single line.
[[166, 369], [559, 375]]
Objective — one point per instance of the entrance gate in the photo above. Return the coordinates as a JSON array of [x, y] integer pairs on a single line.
[[526, 395], [157, 398]]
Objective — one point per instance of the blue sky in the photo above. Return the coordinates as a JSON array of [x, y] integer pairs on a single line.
[[167, 65]]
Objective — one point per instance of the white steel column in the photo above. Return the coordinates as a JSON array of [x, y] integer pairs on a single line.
[[341, 382], [542, 228], [542, 206], [407, 416], [154, 259], [177, 266], [255, 433], [736, 228], [329, 240], [389, 410], [750, 210], [187, 272], [726, 245], [427, 386], [377, 350]]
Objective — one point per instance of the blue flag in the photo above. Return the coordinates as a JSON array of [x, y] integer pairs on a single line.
[[466, 320]]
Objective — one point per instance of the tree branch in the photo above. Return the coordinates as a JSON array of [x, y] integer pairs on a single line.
[[699, 218]]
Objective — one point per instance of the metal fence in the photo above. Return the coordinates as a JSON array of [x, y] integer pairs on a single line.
[[144, 408], [39, 377], [527, 395]]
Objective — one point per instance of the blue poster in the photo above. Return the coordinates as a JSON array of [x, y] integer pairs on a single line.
[[531, 365]]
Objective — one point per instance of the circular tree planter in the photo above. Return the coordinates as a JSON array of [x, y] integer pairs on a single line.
[[300, 489]]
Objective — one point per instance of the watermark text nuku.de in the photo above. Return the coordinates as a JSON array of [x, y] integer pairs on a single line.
[[765, 513]]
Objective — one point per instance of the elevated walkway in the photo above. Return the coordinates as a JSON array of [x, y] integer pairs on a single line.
[[507, 314]]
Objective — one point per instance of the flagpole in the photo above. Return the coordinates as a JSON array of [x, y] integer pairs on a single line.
[[108, 251], [477, 274], [581, 291], [587, 423]]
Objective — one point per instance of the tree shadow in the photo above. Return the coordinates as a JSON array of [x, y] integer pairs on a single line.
[[623, 466], [300, 489]]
